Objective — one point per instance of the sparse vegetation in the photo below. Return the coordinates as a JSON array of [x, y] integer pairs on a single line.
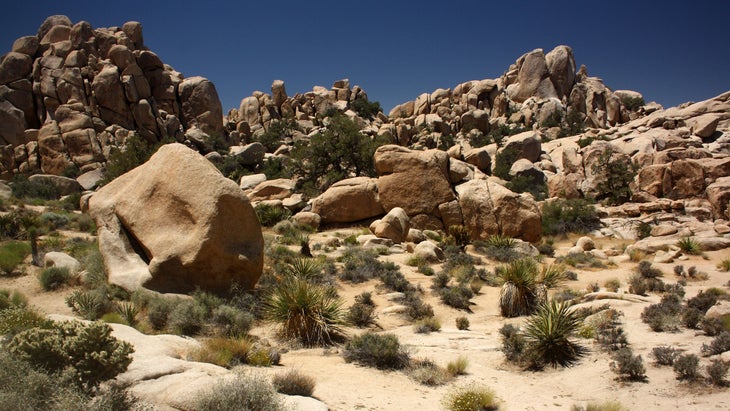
[[52, 278], [665, 316], [628, 366], [665, 355], [362, 312], [717, 371], [246, 391], [382, 351], [462, 323], [294, 382], [686, 367], [472, 397], [689, 245], [617, 173], [560, 217]]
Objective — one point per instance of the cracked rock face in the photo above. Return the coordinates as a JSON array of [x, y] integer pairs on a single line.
[[174, 224]]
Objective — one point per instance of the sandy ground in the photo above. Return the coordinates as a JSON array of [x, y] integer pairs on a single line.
[[344, 386]]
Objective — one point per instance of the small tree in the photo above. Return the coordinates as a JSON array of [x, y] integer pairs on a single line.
[[278, 131], [617, 173]]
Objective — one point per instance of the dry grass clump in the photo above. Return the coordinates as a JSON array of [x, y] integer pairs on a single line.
[[382, 351], [243, 392], [294, 382], [471, 397]]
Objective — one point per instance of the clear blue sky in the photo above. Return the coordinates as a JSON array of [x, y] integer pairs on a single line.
[[670, 51]]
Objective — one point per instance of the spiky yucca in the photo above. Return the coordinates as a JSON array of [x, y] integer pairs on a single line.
[[548, 335], [308, 312], [304, 268], [525, 285]]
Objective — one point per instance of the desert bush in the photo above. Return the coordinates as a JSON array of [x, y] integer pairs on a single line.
[[665, 355], [712, 326], [611, 337], [525, 285], [360, 265], [472, 397], [310, 313], [362, 312], [458, 296], [665, 316], [686, 366], [628, 366], [52, 278], [612, 285], [232, 321], [90, 351], [24, 188], [135, 152], [158, 312], [382, 351], [689, 245], [580, 260], [187, 318], [513, 343], [458, 235], [427, 372], [246, 391], [637, 284], [692, 317], [703, 301], [643, 230], [294, 382], [718, 345], [12, 253], [462, 323], [647, 271], [561, 217], [416, 307], [617, 174], [12, 299], [223, 351], [260, 357], [427, 325], [716, 372], [548, 336], [16, 319], [458, 366], [724, 265], [365, 108]]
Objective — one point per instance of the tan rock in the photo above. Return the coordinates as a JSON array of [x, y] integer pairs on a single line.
[[348, 201], [307, 218], [394, 226], [417, 181], [705, 126], [276, 189], [428, 251], [479, 157], [194, 232], [663, 229], [718, 193], [200, 105], [526, 144]]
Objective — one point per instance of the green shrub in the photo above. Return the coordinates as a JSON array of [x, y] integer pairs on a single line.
[[643, 230], [187, 318], [472, 397], [365, 108], [628, 366], [90, 350], [135, 152], [689, 245], [362, 313], [158, 312], [618, 173], [52, 278], [12, 253], [560, 217], [503, 162], [232, 321], [41, 189], [513, 343], [548, 336], [718, 345], [427, 325], [382, 351], [665, 355], [277, 132], [16, 319], [457, 296], [128, 311], [360, 265], [686, 366], [243, 392], [12, 299], [308, 312], [269, 215], [716, 372], [580, 260], [294, 382], [665, 316], [458, 235], [462, 323]]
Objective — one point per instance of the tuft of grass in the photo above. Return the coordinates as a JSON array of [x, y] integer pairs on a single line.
[[12, 253], [427, 372], [310, 313], [427, 325], [382, 351], [12, 299], [294, 382], [223, 351], [724, 265], [53, 278], [472, 397], [269, 215], [612, 284], [458, 366], [462, 323]]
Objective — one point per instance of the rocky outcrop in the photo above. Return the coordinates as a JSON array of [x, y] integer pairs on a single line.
[[349, 200], [162, 229], [88, 90]]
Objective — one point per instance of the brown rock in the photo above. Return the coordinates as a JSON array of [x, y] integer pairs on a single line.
[[417, 181], [194, 232], [561, 66], [718, 193], [109, 94], [26, 45], [526, 144], [349, 200], [276, 189], [201, 106], [15, 66], [393, 226], [688, 179]]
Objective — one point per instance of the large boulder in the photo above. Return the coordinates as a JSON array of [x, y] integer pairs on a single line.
[[349, 200], [394, 226], [175, 224], [416, 181], [489, 208], [200, 105]]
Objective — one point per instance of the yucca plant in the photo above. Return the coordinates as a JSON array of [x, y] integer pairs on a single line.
[[548, 336], [128, 311], [689, 245], [500, 241], [311, 313], [518, 293], [303, 268], [86, 304]]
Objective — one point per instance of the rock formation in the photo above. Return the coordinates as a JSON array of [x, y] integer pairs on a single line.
[[175, 224], [72, 92]]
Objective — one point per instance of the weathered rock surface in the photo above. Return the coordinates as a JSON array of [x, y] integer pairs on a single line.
[[163, 230], [348, 201], [393, 226]]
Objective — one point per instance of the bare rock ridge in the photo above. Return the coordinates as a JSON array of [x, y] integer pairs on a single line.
[[71, 92]]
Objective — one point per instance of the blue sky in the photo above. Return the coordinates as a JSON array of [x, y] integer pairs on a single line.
[[670, 51]]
